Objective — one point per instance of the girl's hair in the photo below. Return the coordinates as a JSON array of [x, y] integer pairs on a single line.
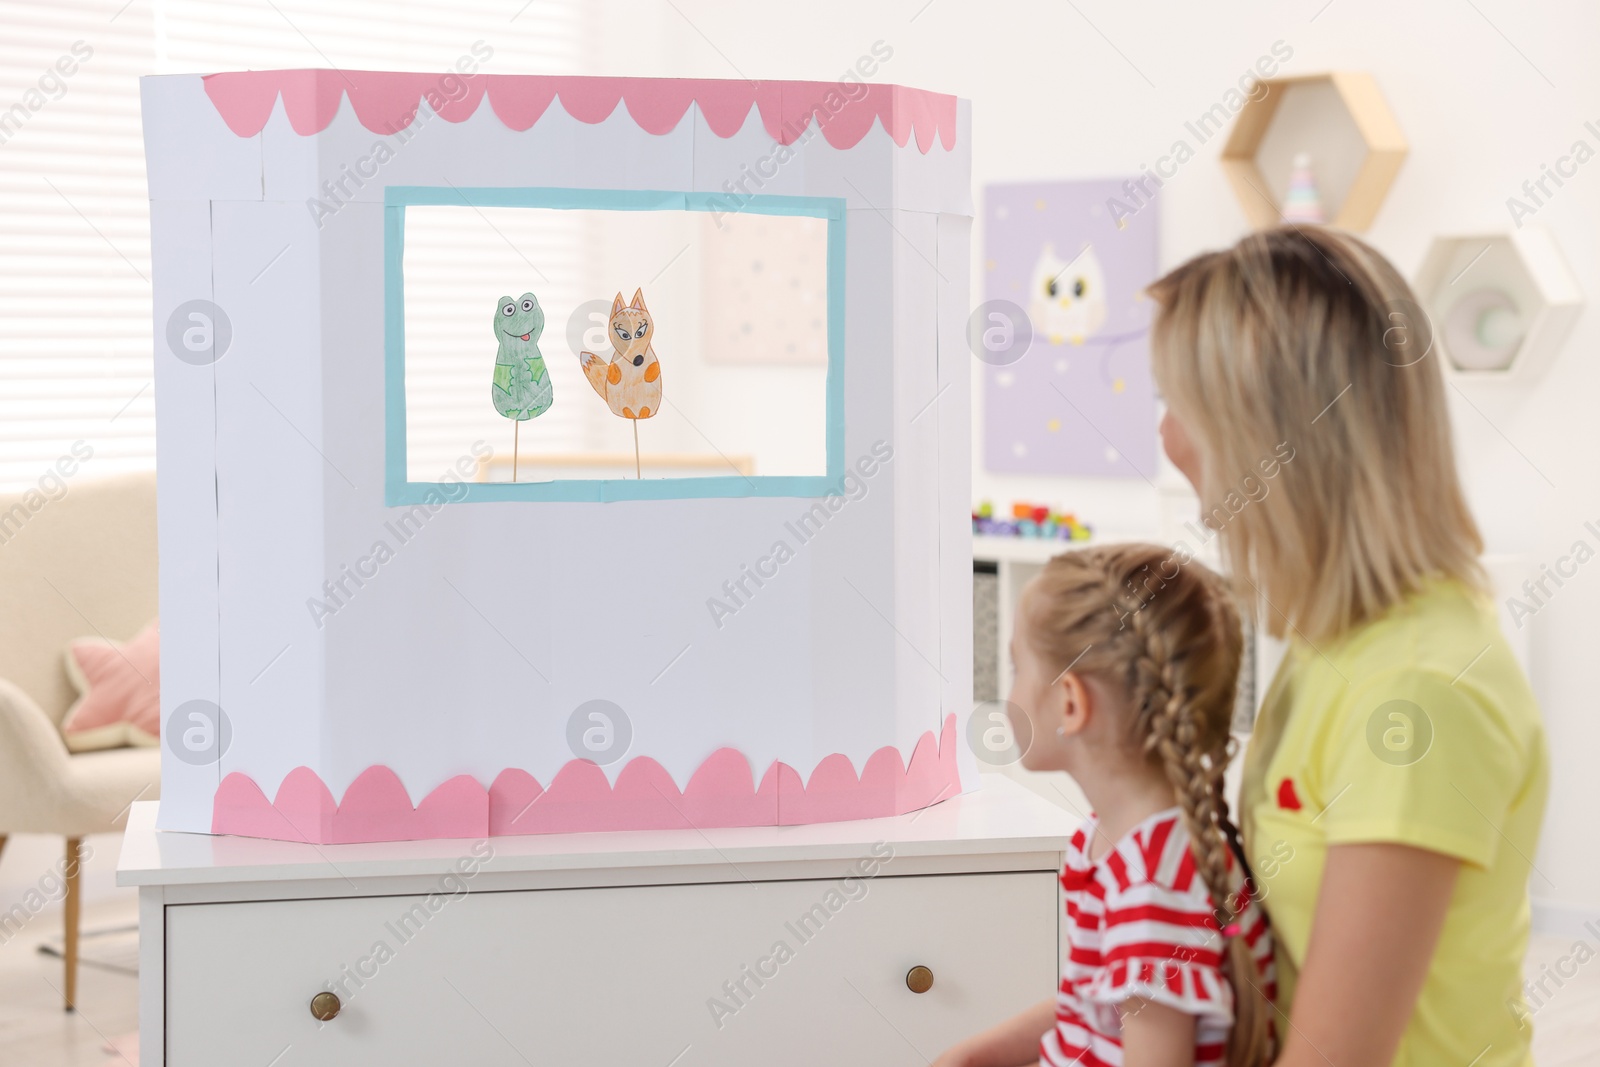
[[1301, 352], [1164, 631]]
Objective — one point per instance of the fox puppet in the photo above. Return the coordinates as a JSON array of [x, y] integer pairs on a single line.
[[630, 380]]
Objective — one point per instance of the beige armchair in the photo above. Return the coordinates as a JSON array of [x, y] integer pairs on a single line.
[[73, 563]]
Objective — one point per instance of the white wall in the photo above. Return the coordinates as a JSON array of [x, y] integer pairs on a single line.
[[1486, 93], [1059, 94]]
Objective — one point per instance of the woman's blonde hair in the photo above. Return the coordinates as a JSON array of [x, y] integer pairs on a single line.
[[1164, 632], [1301, 355]]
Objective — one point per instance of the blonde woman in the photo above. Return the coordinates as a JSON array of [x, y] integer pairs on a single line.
[[1396, 779]]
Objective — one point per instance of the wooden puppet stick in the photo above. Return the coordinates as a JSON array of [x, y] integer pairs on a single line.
[[516, 434], [636, 472]]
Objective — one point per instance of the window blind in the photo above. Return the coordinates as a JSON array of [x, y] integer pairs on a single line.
[[75, 313]]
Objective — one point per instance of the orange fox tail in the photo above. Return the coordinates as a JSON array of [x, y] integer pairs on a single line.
[[594, 369]]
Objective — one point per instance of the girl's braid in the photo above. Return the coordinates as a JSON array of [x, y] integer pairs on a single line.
[[1183, 645]]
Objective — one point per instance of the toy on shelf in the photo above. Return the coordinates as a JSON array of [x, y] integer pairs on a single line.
[[1030, 520], [521, 388], [1482, 331], [1302, 203], [630, 381]]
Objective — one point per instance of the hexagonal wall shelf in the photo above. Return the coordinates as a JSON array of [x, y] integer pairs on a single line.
[[1331, 130], [1501, 304]]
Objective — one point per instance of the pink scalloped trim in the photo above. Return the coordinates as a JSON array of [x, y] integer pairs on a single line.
[[386, 102], [722, 792]]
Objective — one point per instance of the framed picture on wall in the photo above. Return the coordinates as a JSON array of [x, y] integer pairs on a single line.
[[1075, 256]]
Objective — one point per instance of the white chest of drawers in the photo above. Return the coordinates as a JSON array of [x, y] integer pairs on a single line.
[[771, 945]]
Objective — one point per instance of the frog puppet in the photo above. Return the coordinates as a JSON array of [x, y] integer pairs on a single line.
[[521, 387]]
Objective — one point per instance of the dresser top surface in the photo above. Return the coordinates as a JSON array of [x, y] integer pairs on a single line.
[[1002, 817]]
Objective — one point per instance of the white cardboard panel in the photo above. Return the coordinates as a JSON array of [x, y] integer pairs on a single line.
[[186, 506], [193, 155], [863, 175], [689, 686], [486, 671], [350, 329], [401, 685], [440, 663], [477, 674], [920, 675], [347, 162], [749, 162], [190, 154], [939, 181], [469, 678], [878, 170], [494, 622], [962, 177], [269, 487], [616, 154], [852, 625], [877, 173], [290, 163], [954, 412], [442, 655]]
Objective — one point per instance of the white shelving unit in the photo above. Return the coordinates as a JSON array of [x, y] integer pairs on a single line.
[[1519, 276]]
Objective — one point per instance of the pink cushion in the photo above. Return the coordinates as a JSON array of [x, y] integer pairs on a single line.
[[119, 688]]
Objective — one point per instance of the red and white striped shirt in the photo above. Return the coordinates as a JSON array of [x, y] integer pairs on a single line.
[[1140, 923]]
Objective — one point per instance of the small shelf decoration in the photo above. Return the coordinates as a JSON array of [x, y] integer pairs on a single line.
[[1338, 119], [1303, 203], [1500, 304], [1029, 520]]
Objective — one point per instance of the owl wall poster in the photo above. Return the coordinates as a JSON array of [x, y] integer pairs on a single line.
[[1068, 300], [1081, 401]]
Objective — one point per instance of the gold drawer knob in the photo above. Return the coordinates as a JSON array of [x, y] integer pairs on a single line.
[[919, 979], [324, 1006]]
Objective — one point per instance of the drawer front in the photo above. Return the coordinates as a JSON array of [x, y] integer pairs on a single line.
[[798, 972]]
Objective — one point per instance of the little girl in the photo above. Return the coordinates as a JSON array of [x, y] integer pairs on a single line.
[[1126, 660]]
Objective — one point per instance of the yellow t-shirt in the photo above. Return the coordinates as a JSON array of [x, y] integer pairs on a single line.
[[1417, 728]]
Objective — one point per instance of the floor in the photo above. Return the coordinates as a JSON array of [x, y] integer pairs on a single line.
[[35, 1032], [1566, 1025]]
